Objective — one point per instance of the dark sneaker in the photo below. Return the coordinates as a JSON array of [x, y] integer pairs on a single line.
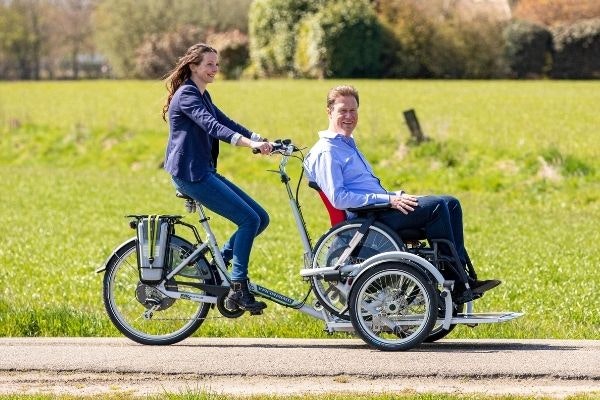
[[480, 287]]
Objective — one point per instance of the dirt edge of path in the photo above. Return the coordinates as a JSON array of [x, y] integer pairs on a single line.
[[89, 384]]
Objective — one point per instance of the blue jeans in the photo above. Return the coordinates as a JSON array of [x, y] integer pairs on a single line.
[[224, 198], [441, 216]]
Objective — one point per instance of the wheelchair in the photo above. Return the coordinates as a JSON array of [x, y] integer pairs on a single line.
[[352, 241]]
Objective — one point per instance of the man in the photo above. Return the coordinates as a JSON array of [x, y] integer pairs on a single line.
[[347, 179]]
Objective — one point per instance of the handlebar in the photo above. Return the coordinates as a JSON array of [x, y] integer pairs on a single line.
[[281, 146]]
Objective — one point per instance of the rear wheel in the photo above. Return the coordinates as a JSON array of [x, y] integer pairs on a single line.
[[140, 311], [393, 306], [378, 239]]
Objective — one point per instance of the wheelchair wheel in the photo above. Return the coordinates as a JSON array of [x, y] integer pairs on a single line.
[[329, 248], [393, 306], [140, 311], [438, 332]]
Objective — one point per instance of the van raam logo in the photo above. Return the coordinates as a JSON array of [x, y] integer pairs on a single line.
[[274, 295]]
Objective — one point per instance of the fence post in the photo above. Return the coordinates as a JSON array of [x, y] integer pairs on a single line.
[[416, 133]]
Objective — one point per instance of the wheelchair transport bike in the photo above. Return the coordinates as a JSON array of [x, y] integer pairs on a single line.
[[386, 287]]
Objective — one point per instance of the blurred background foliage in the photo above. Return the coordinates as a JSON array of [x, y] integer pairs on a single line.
[[73, 39]]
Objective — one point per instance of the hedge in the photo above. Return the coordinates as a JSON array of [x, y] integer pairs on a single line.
[[528, 49], [577, 50]]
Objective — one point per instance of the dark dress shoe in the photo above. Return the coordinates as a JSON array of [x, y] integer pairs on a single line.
[[479, 287]]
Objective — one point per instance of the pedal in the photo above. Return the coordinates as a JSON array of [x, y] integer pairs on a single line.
[[256, 312]]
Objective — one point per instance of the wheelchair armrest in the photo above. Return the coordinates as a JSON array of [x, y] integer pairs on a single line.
[[370, 208]]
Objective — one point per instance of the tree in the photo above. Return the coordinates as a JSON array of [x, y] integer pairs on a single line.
[[556, 12], [273, 28], [124, 25], [343, 39], [409, 31], [74, 35], [23, 28]]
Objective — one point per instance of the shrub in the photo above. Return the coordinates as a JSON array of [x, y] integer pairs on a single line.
[[273, 26], [159, 52], [577, 50], [465, 49], [569, 165], [408, 31], [342, 40], [528, 48], [434, 39], [233, 52]]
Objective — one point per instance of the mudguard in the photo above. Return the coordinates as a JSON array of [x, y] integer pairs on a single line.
[[102, 268]]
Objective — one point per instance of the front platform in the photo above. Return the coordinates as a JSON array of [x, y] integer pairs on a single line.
[[485, 318]]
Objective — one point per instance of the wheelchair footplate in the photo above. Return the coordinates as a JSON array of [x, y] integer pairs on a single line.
[[485, 318]]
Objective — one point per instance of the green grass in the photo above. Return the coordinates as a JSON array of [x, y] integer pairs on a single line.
[[75, 157]]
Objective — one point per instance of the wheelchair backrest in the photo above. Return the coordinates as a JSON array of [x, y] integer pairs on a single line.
[[335, 216]]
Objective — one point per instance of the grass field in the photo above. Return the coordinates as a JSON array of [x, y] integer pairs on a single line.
[[524, 158]]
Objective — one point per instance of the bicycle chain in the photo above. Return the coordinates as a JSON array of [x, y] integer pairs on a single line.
[[186, 319]]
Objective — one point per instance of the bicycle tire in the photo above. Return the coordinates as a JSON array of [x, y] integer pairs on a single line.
[[127, 299], [387, 300]]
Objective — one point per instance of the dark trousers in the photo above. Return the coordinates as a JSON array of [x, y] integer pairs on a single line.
[[441, 216], [221, 196]]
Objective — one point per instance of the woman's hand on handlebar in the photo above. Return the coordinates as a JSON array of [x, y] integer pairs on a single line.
[[261, 147]]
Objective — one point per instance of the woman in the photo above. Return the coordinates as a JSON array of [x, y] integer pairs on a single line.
[[195, 127]]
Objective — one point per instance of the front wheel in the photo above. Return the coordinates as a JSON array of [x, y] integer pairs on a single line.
[[140, 311], [393, 306]]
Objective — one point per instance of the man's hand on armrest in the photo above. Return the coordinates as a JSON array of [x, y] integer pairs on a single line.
[[405, 203]]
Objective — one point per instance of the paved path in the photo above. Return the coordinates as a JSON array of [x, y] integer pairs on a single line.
[[97, 365]]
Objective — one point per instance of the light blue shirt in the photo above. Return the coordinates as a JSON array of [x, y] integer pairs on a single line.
[[343, 173]]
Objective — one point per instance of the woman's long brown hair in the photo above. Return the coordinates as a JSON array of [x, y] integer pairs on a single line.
[[182, 71]]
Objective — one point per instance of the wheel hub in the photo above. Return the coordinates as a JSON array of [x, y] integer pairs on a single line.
[[149, 297], [391, 307]]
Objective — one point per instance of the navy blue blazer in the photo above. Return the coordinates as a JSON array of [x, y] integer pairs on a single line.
[[195, 127]]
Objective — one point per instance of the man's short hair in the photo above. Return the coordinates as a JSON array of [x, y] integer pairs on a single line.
[[341, 91]]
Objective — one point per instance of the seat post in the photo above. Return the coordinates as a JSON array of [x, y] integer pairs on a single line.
[[210, 236]]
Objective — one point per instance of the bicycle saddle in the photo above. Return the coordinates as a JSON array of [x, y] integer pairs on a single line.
[[182, 195]]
